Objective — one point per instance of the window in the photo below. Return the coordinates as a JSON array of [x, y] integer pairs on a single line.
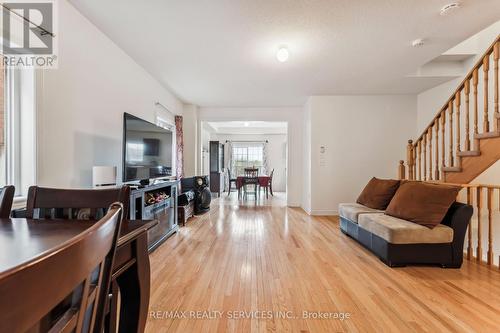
[[17, 129], [247, 156]]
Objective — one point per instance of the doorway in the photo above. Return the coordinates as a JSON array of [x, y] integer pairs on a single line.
[[260, 145]]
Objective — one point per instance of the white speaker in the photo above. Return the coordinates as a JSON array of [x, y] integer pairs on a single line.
[[103, 176]]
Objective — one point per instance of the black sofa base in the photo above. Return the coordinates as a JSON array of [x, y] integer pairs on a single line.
[[447, 255]]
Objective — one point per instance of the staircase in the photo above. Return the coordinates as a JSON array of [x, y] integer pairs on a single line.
[[460, 143], [463, 139]]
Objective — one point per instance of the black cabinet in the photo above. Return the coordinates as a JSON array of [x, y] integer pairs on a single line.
[[156, 202], [216, 167]]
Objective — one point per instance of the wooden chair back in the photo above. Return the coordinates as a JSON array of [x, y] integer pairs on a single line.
[[251, 172], [78, 204], [6, 198], [67, 290]]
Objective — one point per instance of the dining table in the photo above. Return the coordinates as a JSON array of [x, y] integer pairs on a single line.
[[24, 240], [262, 180]]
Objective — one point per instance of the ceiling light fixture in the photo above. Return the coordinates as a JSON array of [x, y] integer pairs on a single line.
[[417, 42], [282, 54], [447, 9], [246, 124]]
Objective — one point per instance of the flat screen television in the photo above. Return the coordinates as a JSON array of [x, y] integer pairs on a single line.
[[147, 150]]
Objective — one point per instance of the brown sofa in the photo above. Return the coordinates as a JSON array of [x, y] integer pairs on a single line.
[[399, 242]]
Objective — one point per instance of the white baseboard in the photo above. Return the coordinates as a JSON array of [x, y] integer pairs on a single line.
[[324, 212], [308, 211]]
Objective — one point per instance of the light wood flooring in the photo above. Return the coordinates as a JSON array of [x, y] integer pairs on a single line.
[[273, 263]]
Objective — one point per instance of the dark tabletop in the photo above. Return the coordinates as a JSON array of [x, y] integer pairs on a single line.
[[25, 240]]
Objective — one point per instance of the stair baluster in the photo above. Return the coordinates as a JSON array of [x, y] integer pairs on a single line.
[[424, 142], [457, 122], [475, 82], [490, 227], [467, 115], [430, 153], [496, 56], [414, 151], [436, 168], [486, 67], [443, 146], [479, 207], [419, 148], [469, 229], [409, 159], [450, 143]]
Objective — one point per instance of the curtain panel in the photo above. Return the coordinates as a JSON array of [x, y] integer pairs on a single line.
[[179, 165]]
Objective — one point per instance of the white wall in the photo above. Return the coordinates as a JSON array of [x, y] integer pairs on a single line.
[[293, 116], [306, 163], [81, 104], [364, 136], [207, 134], [275, 153], [191, 135]]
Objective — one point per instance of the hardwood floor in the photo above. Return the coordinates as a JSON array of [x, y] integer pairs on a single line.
[[267, 257]]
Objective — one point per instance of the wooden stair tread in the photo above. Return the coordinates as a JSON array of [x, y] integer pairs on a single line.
[[487, 135], [469, 153], [452, 169], [473, 166]]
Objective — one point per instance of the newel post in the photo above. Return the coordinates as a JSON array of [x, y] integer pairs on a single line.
[[410, 159], [401, 170]]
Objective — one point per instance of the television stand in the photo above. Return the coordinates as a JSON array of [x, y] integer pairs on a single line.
[[156, 202]]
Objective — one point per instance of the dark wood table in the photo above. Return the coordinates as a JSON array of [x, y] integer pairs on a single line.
[[240, 182], [24, 240]]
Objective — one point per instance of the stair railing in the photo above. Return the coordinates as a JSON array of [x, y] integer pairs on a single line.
[[486, 202], [449, 136], [485, 223]]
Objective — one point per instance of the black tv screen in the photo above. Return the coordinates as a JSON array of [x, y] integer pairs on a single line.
[[147, 150]]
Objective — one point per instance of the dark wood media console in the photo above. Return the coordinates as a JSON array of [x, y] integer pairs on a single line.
[[156, 202]]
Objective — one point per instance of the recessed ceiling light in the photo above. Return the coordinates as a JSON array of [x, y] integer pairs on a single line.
[[417, 42], [282, 54], [246, 124], [447, 9]]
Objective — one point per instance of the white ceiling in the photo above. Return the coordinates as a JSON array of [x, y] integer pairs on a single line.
[[222, 52], [248, 127]]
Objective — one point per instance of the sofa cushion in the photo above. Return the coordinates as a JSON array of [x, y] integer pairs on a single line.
[[398, 231], [378, 193], [351, 211], [422, 203]]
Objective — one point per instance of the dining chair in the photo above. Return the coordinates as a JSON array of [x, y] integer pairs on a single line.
[[81, 204], [231, 182], [65, 291], [251, 172], [251, 179], [267, 184], [6, 198]]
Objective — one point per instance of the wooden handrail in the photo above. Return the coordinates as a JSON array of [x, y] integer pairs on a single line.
[[469, 75], [495, 187]]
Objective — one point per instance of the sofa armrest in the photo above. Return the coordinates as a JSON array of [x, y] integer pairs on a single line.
[[458, 218]]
